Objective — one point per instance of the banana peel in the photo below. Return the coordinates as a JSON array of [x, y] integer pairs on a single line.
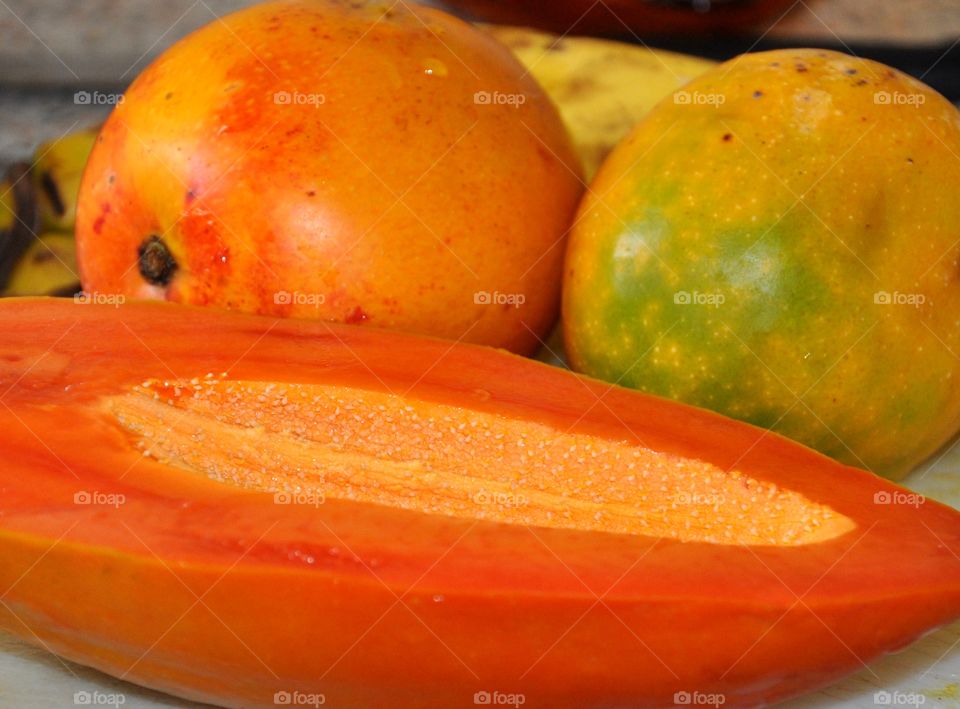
[[601, 87], [38, 206], [57, 170], [8, 205], [21, 217], [48, 267]]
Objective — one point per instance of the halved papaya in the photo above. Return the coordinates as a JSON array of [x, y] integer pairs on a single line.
[[249, 511]]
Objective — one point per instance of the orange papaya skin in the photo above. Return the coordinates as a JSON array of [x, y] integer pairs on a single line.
[[214, 592]]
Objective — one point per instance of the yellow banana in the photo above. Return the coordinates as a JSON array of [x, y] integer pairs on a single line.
[[57, 169], [601, 87], [20, 217], [48, 267], [8, 206]]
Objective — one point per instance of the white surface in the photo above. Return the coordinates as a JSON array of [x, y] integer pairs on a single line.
[[929, 668]]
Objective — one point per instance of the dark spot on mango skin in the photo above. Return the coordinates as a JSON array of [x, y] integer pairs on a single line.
[[758, 93], [727, 137], [98, 222], [155, 262], [801, 68], [357, 316]]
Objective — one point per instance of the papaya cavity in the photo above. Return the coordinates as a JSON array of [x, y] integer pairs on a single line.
[[319, 441]]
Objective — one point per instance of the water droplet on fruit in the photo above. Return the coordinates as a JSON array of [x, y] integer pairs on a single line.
[[434, 67]]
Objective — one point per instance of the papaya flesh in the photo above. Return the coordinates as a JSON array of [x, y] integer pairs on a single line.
[[233, 508]]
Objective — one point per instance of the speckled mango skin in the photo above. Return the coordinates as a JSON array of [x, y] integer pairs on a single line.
[[786, 254], [330, 160]]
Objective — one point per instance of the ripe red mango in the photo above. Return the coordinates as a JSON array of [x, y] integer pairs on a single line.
[[356, 162]]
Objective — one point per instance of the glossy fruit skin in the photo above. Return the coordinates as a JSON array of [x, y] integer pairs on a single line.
[[304, 598], [812, 192], [324, 159]]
